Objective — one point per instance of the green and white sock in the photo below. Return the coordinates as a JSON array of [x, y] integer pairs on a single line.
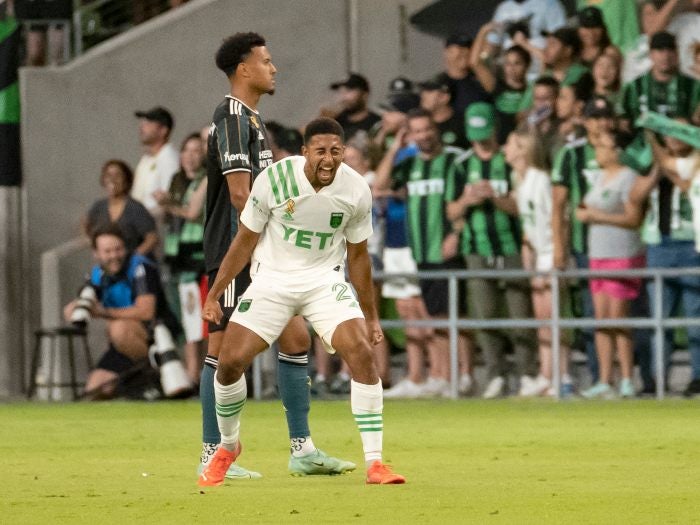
[[230, 400], [366, 402]]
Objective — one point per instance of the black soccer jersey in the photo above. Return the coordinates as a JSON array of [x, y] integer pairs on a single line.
[[237, 142]]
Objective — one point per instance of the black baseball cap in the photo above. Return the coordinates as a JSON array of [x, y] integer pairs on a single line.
[[590, 16], [567, 36], [157, 114], [460, 40], [401, 97], [663, 40], [354, 81], [598, 107], [436, 83]]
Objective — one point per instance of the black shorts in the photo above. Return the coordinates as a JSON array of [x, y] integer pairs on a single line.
[[229, 299], [115, 361], [435, 291]]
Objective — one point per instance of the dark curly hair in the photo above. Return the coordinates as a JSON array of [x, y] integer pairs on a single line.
[[235, 49], [323, 126]]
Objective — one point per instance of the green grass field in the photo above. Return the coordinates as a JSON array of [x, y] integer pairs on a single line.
[[466, 462]]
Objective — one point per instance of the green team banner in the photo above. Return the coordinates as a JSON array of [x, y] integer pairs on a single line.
[[10, 172], [667, 126]]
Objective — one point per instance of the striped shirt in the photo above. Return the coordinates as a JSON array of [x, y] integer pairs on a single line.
[[576, 169], [237, 143], [425, 181], [489, 231]]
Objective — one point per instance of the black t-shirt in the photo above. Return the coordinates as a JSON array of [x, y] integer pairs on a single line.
[[465, 91], [350, 128], [507, 101], [453, 132], [237, 142]]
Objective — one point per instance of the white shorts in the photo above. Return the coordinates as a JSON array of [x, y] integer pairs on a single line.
[[399, 260], [266, 307]]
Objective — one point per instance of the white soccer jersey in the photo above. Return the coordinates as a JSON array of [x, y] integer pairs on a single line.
[[303, 231], [534, 197]]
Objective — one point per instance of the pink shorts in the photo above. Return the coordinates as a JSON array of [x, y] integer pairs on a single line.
[[617, 288]]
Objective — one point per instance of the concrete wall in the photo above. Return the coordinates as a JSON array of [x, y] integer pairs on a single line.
[[77, 116]]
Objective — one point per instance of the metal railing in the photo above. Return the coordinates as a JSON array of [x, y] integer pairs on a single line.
[[453, 323]]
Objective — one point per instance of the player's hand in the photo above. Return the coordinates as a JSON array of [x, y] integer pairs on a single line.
[[450, 245], [376, 335], [211, 311]]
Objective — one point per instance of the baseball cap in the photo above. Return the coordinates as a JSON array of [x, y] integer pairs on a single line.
[[567, 36], [480, 121], [354, 81], [437, 83], [663, 40], [157, 114], [590, 16], [460, 40], [401, 96], [598, 107]]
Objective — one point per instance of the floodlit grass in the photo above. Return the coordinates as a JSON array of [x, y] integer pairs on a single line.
[[466, 462]]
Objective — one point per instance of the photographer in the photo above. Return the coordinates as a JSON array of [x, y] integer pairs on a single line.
[[130, 298]]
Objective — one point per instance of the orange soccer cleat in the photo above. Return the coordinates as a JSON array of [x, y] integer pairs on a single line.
[[215, 472], [380, 474]]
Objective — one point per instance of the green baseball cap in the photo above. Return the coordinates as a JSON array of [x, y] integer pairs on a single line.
[[480, 121]]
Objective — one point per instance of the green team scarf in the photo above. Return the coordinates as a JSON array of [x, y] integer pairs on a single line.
[[10, 173], [667, 126]]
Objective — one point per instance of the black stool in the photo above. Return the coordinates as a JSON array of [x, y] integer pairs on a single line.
[[54, 335]]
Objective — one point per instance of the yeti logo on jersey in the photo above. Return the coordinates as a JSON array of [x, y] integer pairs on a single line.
[[289, 210], [336, 219], [244, 306]]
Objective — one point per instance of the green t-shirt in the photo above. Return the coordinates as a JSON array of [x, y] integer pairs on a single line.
[[426, 221], [488, 231]]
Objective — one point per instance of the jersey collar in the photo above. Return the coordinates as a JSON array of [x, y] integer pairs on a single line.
[[239, 100]]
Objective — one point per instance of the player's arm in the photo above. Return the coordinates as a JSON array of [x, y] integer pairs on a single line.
[[360, 273], [237, 256], [385, 168], [238, 183]]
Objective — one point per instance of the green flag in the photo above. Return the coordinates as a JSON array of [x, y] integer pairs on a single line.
[[620, 18], [10, 174]]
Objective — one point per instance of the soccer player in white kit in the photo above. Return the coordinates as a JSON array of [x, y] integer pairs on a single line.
[[303, 215]]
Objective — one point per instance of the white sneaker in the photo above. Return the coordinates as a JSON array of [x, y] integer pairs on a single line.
[[495, 388], [466, 385], [534, 387], [404, 389], [436, 387]]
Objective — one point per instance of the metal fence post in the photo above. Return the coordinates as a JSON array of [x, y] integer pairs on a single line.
[[555, 335], [452, 297], [659, 350]]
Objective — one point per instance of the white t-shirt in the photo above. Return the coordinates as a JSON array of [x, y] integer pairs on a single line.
[[534, 197], [154, 172], [304, 231], [541, 15], [686, 27]]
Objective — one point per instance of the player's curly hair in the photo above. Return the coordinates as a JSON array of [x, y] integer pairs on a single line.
[[323, 126], [235, 49]]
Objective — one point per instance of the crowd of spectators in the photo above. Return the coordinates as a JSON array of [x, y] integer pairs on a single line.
[[546, 143]]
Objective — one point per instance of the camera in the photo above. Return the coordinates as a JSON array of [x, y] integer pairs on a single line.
[[87, 297], [164, 357]]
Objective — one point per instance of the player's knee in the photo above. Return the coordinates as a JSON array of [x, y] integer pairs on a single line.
[[230, 368]]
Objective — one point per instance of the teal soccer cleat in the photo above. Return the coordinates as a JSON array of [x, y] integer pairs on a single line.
[[318, 463]]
